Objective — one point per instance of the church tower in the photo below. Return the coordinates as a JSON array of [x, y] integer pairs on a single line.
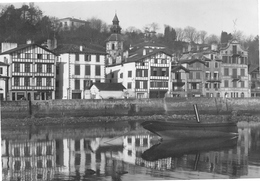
[[114, 44]]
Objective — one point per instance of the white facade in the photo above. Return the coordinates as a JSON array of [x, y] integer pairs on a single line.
[[235, 77], [3, 80], [80, 72]]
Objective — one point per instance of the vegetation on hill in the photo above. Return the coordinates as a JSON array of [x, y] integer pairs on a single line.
[[29, 22]]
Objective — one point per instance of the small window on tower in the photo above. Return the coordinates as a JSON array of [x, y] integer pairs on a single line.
[[113, 46]]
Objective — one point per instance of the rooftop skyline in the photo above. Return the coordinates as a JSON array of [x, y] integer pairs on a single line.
[[213, 16]]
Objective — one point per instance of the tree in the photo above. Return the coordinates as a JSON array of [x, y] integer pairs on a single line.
[[203, 36], [253, 51], [169, 35], [180, 35], [225, 37], [190, 34], [212, 39]]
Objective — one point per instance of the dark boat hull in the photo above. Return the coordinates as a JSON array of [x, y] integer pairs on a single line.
[[179, 147], [177, 130]]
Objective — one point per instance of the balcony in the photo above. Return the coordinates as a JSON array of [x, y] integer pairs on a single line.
[[178, 90], [236, 53], [236, 77], [213, 79]]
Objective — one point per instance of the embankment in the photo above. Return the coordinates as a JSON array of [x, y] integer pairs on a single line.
[[138, 107]]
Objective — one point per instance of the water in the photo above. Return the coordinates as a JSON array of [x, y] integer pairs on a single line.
[[124, 151]]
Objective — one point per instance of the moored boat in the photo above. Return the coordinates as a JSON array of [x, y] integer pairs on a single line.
[[177, 130]]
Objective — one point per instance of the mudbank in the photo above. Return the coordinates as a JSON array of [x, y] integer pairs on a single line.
[[137, 107]]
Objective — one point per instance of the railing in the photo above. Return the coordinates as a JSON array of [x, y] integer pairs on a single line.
[[213, 79], [178, 90], [236, 77]]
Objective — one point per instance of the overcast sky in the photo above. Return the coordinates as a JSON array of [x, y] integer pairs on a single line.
[[212, 16]]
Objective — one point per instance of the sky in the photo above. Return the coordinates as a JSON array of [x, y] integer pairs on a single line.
[[213, 16]]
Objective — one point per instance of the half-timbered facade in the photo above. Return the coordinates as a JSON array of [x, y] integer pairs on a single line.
[[31, 71], [145, 75]]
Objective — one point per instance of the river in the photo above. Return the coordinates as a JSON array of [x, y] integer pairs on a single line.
[[125, 151]]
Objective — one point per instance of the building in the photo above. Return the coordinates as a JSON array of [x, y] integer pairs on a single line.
[[78, 68], [114, 44], [3, 80], [70, 23], [31, 71], [254, 74], [145, 73], [235, 77], [107, 91]]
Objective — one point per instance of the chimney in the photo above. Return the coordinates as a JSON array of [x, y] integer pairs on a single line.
[[29, 41], [214, 46], [144, 51], [5, 46]]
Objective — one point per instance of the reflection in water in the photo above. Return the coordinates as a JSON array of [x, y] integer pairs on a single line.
[[123, 151]]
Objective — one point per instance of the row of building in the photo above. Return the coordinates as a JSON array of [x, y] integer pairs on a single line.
[[145, 70]]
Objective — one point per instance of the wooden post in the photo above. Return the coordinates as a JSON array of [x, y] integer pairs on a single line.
[[196, 112]]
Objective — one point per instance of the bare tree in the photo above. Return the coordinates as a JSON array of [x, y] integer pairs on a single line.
[[151, 27], [239, 35], [179, 34], [190, 34], [212, 39], [203, 36]]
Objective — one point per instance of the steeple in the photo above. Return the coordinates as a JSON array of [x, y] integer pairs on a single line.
[[115, 27]]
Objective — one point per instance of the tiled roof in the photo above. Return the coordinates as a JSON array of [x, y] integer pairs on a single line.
[[72, 48], [115, 18], [139, 54], [193, 57], [115, 37], [109, 86], [21, 47]]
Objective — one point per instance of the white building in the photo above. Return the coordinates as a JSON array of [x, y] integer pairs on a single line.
[[3, 80], [70, 23], [77, 69]]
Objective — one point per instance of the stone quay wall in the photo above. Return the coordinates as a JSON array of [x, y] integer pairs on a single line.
[[126, 107]]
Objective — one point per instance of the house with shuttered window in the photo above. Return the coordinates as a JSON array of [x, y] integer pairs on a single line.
[[78, 68], [31, 71]]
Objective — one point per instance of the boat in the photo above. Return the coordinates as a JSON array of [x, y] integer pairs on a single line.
[[181, 129], [179, 147]]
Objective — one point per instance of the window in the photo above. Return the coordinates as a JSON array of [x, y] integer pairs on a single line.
[[39, 150], [77, 69], [242, 94], [191, 75], [39, 81], [197, 75], [97, 58], [57, 70], [113, 46], [121, 75], [27, 55], [87, 58], [242, 72], [49, 150], [225, 59], [226, 72], [49, 163], [77, 57], [18, 55], [129, 85], [17, 165], [98, 69], [193, 86], [164, 72], [226, 83], [27, 67], [206, 85], [16, 81], [156, 60], [242, 84], [26, 81], [39, 56], [77, 159], [77, 84], [1, 70], [87, 70], [206, 64], [39, 68], [216, 64], [48, 56], [26, 151], [16, 67], [129, 73], [129, 140], [16, 151], [211, 56], [39, 163], [49, 68], [234, 60], [27, 165], [48, 81]]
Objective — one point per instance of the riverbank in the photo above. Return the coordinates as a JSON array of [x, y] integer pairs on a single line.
[[16, 123]]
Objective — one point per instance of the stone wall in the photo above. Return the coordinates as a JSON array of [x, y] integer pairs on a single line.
[[90, 108]]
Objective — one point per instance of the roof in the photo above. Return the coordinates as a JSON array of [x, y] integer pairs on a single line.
[[3, 64], [149, 44], [178, 67], [115, 37], [73, 19], [193, 57], [115, 19], [72, 48], [139, 54], [225, 46], [21, 47], [253, 68], [109, 86]]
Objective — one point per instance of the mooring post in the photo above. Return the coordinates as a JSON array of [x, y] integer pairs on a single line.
[[196, 112]]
